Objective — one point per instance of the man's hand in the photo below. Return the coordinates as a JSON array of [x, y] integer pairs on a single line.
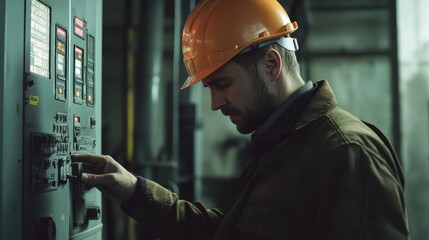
[[107, 175]]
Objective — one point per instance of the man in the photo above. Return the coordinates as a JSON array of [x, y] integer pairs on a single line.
[[316, 171]]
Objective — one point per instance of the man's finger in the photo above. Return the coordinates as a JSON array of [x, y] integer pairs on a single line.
[[86, 158], [88, 168], [95, 179]]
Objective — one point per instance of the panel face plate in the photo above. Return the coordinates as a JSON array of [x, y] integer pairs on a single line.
[[60, 118]]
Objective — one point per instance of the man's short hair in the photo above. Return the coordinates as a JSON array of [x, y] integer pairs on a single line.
[[248, 60]]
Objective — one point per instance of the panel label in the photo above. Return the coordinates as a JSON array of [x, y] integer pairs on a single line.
[[34, 100]]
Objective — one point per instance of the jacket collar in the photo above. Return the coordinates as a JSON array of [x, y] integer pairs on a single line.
[[322, 102], [283, 115]]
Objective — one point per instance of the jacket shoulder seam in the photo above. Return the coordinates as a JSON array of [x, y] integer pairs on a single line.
[[337, 129]]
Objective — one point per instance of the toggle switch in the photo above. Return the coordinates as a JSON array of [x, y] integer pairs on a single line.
[[93, 213], [76, 170], [92, 122]]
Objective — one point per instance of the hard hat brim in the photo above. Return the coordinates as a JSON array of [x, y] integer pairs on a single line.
[[189, 82]]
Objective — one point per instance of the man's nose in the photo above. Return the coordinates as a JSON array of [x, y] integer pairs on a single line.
[[218, 100]]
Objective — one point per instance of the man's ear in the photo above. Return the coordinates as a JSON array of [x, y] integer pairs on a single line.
[[273, 63]]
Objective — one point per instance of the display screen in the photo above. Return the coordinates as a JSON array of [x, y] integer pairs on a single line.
[[78, 62], [61, 51], [78, 22], [79, 32], [79, 27], [40, 38], [61, 34]]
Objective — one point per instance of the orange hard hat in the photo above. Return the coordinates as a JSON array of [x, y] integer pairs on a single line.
[[217, 30]]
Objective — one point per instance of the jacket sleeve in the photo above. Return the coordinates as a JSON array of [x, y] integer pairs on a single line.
[[358, 197], [161, 212]]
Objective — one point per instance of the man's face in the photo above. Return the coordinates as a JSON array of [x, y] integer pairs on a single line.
[[241, 96]]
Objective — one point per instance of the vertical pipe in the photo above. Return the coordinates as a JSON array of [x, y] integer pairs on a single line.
[[172, 111], [129, 118], [130, 75], [176, 73], [147, 89], [149, 58], [129, 36], [396, 121]]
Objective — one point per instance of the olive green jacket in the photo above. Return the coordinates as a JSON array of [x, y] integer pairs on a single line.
[[326, 176]]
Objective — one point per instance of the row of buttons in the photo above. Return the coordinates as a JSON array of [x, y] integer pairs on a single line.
[[60, 117], [60, 128]]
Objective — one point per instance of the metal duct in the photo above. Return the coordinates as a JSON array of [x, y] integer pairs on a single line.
[[148, 77]]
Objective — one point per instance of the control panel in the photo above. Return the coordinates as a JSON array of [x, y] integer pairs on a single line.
[[62, 115]]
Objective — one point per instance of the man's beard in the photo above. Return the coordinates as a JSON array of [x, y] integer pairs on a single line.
[[260, 107]]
